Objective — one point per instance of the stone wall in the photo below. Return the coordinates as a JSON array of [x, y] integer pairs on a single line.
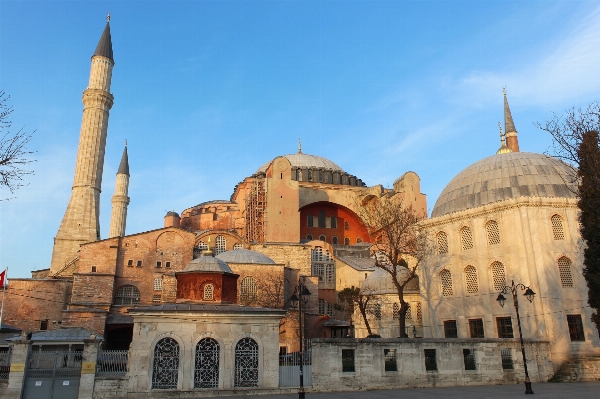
[[110, 388], [410, 359]]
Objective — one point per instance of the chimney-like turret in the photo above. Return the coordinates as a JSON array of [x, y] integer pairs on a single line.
[[512, 140]]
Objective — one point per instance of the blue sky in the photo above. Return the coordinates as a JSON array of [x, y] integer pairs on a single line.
[[206, 92]]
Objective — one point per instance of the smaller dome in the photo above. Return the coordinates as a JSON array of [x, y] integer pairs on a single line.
[[207, 264], [172, 213], [245, 256], [380, 282]]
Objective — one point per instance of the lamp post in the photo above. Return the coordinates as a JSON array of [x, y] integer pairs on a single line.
[[529, 294], [297, 301]]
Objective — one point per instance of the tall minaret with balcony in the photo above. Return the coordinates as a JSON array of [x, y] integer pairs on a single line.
[[81, 222], [120, 200]]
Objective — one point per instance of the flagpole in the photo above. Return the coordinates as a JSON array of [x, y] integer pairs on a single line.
[[3, 291]]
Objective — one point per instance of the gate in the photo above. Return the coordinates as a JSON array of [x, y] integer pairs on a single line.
[[289, 369], [52, 375]]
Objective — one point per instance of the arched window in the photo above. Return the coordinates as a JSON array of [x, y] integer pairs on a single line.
[[346, 241], [442, 243], [309, 237], [202, 246], [309, 220], [298, 175], [499, 276], [206, 372], [220, 243], [165, 369], [408, 312], [158, 284], [346, 226], [334, 240], [209, 291], [358, 240], [310, 177], [248, 290], [446, 278], [557, 227], [322, 238], [333, 222], [246, 363], [564, 270], [375, 310], [471, 280], [419, 312], [127, 295], [320, 176], [238, 246], [466, 238], [322, 223], [493, 232]]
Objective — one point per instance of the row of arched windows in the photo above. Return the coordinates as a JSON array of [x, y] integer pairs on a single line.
[[334, 239], [166, 363], [492, 233], [499, 277]]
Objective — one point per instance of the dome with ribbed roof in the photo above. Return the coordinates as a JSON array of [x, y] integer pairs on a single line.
[[245, 256], [207, 264], [301, 160], [506, 176]]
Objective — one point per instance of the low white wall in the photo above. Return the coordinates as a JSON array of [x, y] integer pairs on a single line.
[[370, 370]]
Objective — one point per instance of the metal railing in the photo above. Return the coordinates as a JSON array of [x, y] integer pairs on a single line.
[[112, 363], [4, 365], [289, 369]]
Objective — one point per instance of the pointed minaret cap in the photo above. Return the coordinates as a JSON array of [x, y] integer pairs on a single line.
[[124, 165], [512, 141], [299, 146], [104, 47]]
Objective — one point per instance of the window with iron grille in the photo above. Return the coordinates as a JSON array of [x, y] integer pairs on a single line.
[[348, 360], [471, 279], [575, 327], [238, 246], [389, 356], [469, 359], [220, 244], [165, 369], [248, 290], [442, 243], [396, 311], [158, 284], [408, 312], [499, 276], [450, 329], [476, 328], [209, 290], [325, 308], [557, 227], [127, 295], [507, 361], [505, 329], [466, 238], [564, 270], [493, 232], [446, 278], [430, 360], [374, 308], [419, 313], [156, 298]]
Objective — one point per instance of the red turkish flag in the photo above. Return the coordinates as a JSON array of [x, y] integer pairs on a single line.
[[2, 276]]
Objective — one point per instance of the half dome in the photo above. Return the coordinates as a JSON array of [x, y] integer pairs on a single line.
[[245, 256], [301, 160], [506, 176]]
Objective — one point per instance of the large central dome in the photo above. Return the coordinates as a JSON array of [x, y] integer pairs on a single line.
[[301, 160], [506, 176]]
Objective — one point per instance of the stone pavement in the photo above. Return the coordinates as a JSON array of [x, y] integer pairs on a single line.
[[574, 390]]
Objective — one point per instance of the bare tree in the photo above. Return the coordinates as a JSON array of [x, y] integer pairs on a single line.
[[14, 154], [269, 293], [398, 246], [350, 298]]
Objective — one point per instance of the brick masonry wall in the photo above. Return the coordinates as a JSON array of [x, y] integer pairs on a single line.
[[369, 371], [92, 289], [29, 301], [91, 320], [295, 256]]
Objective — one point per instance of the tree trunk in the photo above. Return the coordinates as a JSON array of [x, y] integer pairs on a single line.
[[362, 306]]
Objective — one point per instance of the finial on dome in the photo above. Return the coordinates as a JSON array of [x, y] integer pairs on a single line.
[[108, 17], [299, 146], [503, 148]]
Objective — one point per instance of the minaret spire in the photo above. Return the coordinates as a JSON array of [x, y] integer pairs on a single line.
[[81, 222], [299, 146], [120, 200], [512, 141]]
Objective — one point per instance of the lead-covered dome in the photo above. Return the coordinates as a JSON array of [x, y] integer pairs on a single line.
[[505, 176], [207, 264], [301, 160], [380, 282], [245, 256]]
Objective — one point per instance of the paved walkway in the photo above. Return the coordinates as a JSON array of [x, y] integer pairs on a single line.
[[575, 390]]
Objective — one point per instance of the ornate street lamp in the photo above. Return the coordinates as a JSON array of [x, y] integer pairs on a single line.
[[296, 302], [529, 294]]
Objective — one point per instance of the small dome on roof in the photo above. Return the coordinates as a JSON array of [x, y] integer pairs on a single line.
[[380, 282], [301, 160], [172, 213], [207, 264], [245, 256]]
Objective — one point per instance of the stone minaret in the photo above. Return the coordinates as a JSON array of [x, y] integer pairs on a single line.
[[81, 222], [512, 141], [120, 200]]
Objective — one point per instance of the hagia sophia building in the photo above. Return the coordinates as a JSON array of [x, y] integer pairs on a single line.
[[509, 217]]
